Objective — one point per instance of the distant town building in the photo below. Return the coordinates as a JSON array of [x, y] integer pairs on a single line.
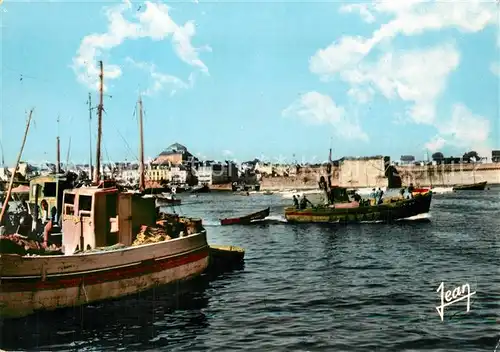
[[158, 173], [175, 154], [179, 175], [213, 173]]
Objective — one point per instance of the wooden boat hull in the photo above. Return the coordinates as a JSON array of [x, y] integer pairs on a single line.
[[247, 219], [33, 283], [201, 189], [385, 212], [471, 187], [225, 257]]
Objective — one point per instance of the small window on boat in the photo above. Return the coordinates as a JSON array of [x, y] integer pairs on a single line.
[[85, 203], [69, 199], [49, 189]]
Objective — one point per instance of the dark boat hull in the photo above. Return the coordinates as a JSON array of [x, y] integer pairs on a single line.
[[247, 219], [201, 189], [168, 201], [472, 187], [386, 212]]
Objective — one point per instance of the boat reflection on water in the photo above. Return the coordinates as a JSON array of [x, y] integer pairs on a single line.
[[140, 321], [143, 320]]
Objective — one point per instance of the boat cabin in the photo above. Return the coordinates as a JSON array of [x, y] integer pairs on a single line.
[[99, 217], [47, 192], [340, 194]]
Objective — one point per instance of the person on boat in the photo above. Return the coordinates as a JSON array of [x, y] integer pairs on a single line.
[[357, 197], [411, 188], [304, 201], [380, 195], [374, 195], [295, 202]]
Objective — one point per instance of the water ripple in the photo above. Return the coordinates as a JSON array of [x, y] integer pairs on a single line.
[[369, 287]]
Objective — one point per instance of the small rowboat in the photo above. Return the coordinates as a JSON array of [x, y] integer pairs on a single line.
[[225, 258], [247, 219], [471, 187]]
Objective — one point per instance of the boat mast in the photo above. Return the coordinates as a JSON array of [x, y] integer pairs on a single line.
[[1, 145], [58, 146], [141, 149], [427, 167], [329, 169], [90, 135], [11, 183], [97, 170]]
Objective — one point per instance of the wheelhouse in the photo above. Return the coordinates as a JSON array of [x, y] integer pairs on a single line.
[[46, 192], [99, 217]]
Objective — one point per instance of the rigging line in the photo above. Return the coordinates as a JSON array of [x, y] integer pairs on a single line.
[[22, 75], [128, 146]]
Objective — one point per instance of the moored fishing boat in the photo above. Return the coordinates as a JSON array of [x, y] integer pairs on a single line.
[[114, 243], [102, 258]]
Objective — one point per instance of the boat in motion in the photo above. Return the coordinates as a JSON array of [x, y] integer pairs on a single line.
[[247, 219], [343, 210]]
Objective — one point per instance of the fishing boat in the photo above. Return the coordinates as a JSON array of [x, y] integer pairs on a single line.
[[345, 211], [247, 219], [267, 193], [102, 256], [114, 244], [480, 186], [340, 209]]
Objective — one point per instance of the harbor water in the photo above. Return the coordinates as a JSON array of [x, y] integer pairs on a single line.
[[366, 287]]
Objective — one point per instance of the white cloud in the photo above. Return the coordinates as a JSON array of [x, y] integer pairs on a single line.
[[160, 80], [361, 96], [361, 8], [416, 76], [154, 23], [463, 130], [411, 17], [316, 108], [344, 57], [435, 144], [227, 152]]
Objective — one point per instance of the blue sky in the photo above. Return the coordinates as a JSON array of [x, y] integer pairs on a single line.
[[253, 79]]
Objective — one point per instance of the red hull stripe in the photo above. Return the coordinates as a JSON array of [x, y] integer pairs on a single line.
[[58, 282]]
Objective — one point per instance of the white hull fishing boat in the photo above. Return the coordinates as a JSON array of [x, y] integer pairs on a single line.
[[113, 244], [30, 283]]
